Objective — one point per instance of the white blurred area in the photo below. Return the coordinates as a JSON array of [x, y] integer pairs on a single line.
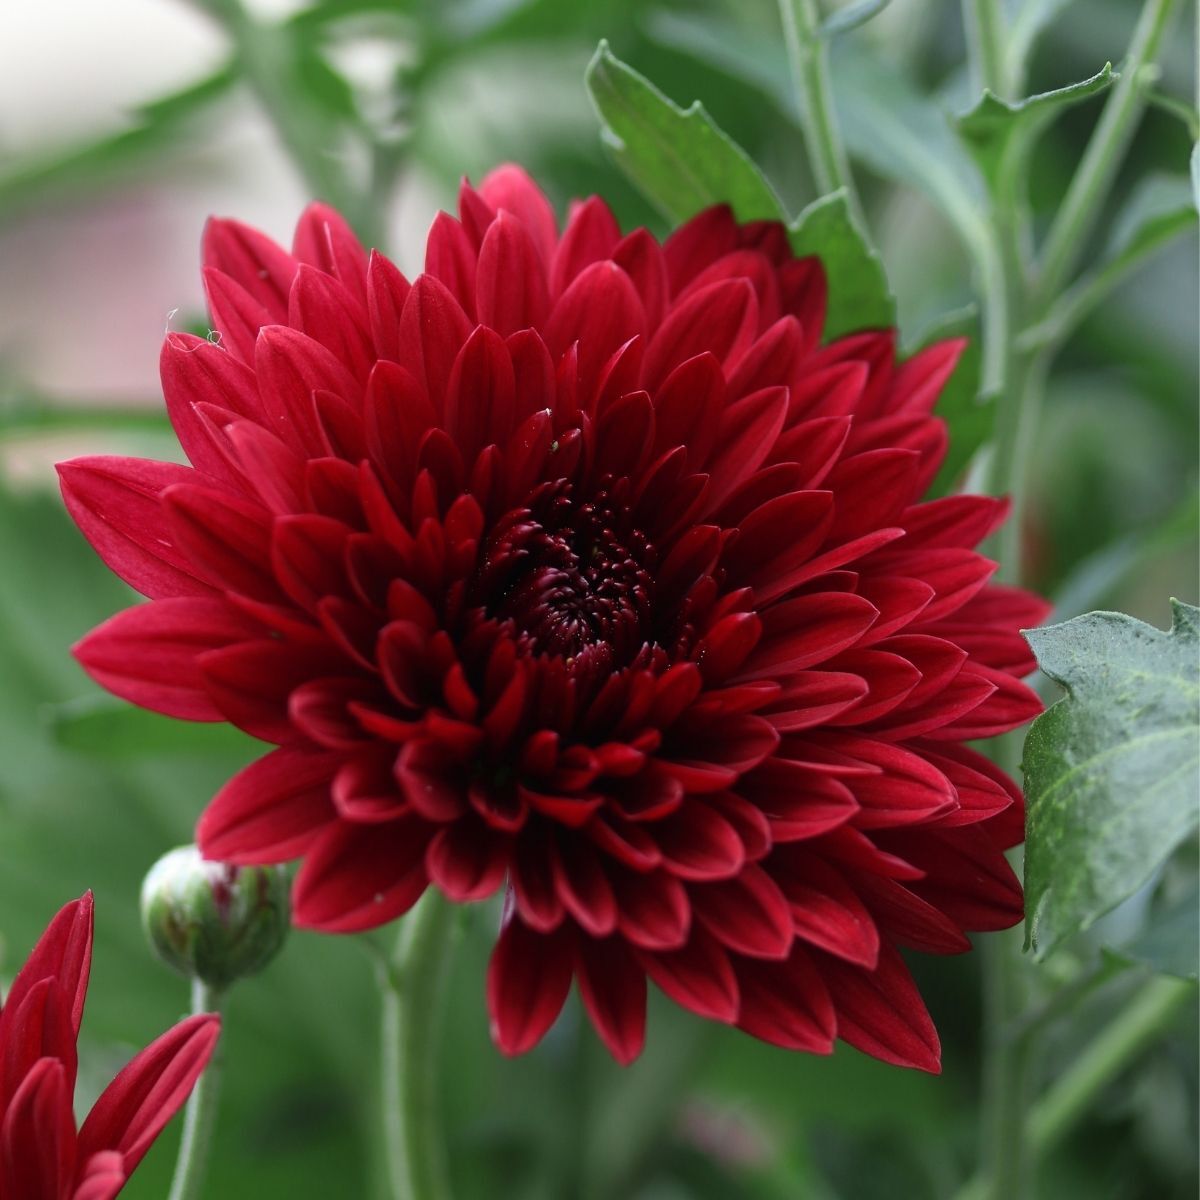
[[88, 286]]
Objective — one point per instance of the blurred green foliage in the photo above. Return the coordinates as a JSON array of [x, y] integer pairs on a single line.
[[92, 793]]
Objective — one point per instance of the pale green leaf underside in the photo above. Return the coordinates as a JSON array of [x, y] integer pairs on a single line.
[[678, 157], [684, 162], [993, 129], [859, 297], [1111, 770]]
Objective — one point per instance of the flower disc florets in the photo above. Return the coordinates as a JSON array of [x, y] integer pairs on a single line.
[[579, 567]]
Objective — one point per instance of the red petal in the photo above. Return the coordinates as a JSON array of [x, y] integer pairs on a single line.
[[387, 290], [324, 239], [236, 316], [146, 1094], [433, 328], [652, 909], [63, 953], [272, 810], [613, 987], [451, 259], [787, 1003], [528, 978], [37, 1138], [699, 844], [721, 318], [826, 909], [226, 537], [356, 877], [881, 1012], [147, 654], [509, 187], [510, 288], [116, 502], [698, 976], [263, 268], [591, 236], [467, 860], [748, 913], [601, 312]]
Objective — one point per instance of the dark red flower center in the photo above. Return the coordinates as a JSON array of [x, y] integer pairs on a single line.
[[573, 577]]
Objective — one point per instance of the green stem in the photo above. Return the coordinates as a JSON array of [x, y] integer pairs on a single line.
[[1005, 1071], [809, 58], [1145, 1018], [984, 23], [263, 54], [199, 1118], [1052, 1117], [412, 1003], [1102, 159]]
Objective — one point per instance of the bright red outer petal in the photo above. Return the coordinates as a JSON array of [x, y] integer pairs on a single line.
[[146, 1094], [147, 655], [271, 811], [38, 1027], [103, 1176], [37, 1137], [63, 953], [116, 504], [528, 978]]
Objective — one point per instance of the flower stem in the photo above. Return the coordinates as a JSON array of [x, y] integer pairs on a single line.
[[200, 1116], [1052, 1117], [412, 989], [985, 38], [1148, 1014], [1102, 159], [809, 58]]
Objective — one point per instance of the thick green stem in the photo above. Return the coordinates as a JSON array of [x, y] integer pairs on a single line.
[[1052, 1118], [809, 58], [412, 990], [199, 1118], [984, 23], [1102, 159], [1145, 1018]]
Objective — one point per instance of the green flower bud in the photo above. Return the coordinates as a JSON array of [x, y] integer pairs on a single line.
[[212, 921]]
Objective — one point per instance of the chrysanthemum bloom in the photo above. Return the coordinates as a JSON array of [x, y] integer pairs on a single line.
[[42, 1156], [579, 567]]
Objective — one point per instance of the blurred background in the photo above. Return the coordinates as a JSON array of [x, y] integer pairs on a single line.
[[122, 126]]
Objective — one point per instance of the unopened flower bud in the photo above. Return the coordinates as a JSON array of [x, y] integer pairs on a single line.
[[212, 921]]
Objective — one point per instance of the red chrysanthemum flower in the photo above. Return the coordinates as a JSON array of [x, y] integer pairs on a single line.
[[42, 1156], [580, 565]]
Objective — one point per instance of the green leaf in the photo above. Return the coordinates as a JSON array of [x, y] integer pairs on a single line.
[[998, 133], [1160, 207], [1111, 769], [1170, 941], [969, 416], [859, 297], [1195, 172], [678, 157], [851, 17]]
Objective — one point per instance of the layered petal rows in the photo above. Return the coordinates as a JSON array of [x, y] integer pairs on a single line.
[[42, 1155], [579, 567]]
